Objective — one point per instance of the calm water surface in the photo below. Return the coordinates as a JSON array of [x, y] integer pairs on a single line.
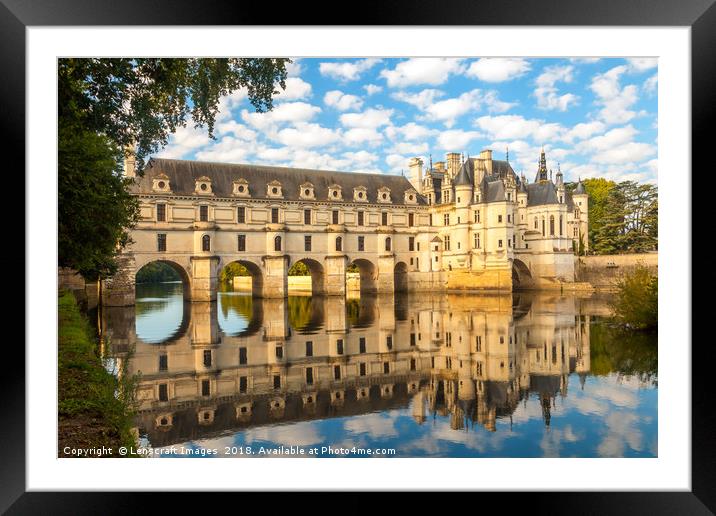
[[524, 375]]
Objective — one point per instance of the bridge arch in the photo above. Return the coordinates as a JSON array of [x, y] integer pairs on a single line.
[[368, 272], [521, 275], [317, 271], [254, 271], [176, 267], [400, 277]]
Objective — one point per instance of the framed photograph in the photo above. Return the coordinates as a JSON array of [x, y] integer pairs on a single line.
[[430, 239]]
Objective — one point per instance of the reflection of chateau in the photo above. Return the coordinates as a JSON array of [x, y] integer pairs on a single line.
[[463, 224], [474, 358]]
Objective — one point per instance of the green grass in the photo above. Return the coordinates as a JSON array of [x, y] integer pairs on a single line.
[[95, 409]]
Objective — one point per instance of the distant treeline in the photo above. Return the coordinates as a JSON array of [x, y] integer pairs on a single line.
[[157, 272], [623, 217]]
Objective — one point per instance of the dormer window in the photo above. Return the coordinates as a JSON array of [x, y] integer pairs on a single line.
[[334, 193], [360, 194], [273, 190], [384, 194], [160, 183], [202, 186], [307, 191], [411, 196], [241, 188]]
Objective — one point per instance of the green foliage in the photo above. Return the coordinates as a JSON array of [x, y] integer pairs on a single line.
[[231, 270], [636, 304], [623, 217], [106, 107], [157, 272], [629, 353], [90, 398], [352, 268], [299, 269]]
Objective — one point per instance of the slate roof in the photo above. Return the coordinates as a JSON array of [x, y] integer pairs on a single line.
[[580, 189], [182, 175], [541, 193]]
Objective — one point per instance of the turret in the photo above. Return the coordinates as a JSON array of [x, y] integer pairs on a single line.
[[541, 168], [129, 162], [560, 185], [463, 186]]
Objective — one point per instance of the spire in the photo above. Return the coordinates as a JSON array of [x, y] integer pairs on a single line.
[[542, 170], [507, 154]]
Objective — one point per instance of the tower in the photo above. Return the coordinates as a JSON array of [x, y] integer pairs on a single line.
[[542, 168], [416, 174]]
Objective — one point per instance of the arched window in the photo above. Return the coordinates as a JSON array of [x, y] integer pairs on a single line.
[[551, 225], [206, 243], [339, 244], [387, 244], [561, 228], [542, 226], [277, 243]]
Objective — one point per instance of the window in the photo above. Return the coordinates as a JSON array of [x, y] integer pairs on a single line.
[[242, 242], [277, 243], [551, 225], [361, 219], [241, 215], [337, 372], [412, 364], [243, 384], [274, 215], [543, 227], [387, 244], [384, 218], [509, 218], [163, 392], [203, 213], [309, 375], [411, 243], [207, 358], [447, 243], [499, 218], [389, 342], [277, 381], [478, 343], [163, 365], [477, 216], [339, 346], [243, 359], [386, 367], [412, 339], [309, 348], [477, 240], [205, 389], [499, 243], [307, 217], [335, 216], [361, 369], [339, 243], [361, 243], [307, 243], [361, 345], [206, 243], [431, 219], [535, 222], [446, 219], [161, 242], [279, 351], [561, 226], [161, 212], [411, 219]]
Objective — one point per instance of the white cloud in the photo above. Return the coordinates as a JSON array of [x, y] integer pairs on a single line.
[[294, 68], [410, 131], [293, 112], [296, 89], [372, 89], [183, 141], [305, 135], [370, 118], [228, 102], [449, 110], [627, 153], [615, 100], [423, 70], [227, 150], [505, 127], [498, 69], [364, 135], [650, 85], [409, 148], [456, 140], [584, 130], [641, 64], [347, 70], [610, 139], [397, 162], [546, 91], [239, 131], [584, 60], [342, 101]]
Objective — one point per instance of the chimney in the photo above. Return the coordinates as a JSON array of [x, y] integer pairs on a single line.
[[453, 163], [486, 155], [129, 162], [416, 173]]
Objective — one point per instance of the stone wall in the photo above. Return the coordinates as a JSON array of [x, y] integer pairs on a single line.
[[603, 271]]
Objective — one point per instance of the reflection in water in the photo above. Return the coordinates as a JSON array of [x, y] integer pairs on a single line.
[[432, 375]]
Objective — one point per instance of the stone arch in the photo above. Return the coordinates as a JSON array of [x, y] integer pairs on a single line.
[[400, 277], [257, 278], [317, 274], [181, 271], [521, 275], [368, 275]]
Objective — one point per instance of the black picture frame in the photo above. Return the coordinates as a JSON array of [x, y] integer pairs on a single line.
[[17, 15]]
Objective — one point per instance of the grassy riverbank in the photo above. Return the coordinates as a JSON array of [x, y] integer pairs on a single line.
[[90, 414]]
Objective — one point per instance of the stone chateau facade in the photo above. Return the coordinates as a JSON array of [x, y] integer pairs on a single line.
[[462, 224]]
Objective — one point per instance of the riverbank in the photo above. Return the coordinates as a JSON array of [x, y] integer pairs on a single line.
[[90, 416]]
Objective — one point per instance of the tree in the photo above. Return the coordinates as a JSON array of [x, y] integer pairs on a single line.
[[107, 107]]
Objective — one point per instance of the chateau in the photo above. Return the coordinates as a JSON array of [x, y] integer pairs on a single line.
[[462, 224]]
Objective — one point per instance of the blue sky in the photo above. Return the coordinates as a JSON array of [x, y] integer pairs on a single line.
[[595, 117]]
